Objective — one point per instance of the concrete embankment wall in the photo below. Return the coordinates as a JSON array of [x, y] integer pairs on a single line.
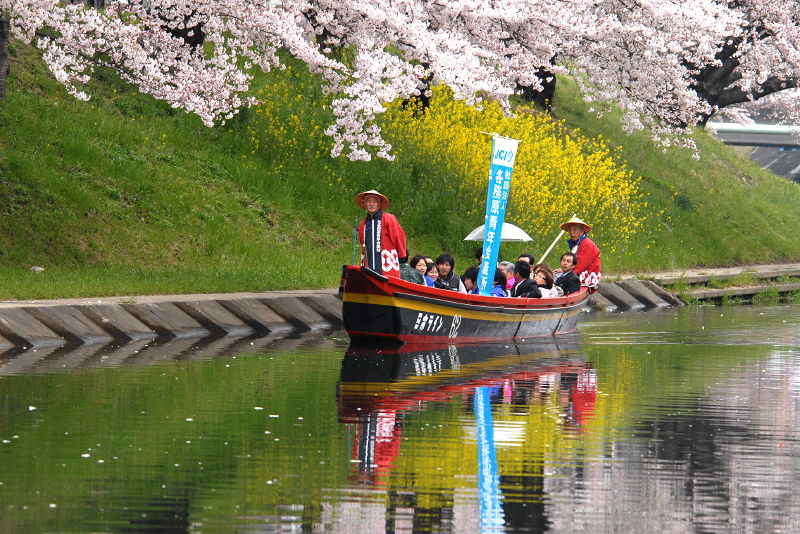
[[634, 295], [34, 324], [743, 283], [26, 325], [74, 322]]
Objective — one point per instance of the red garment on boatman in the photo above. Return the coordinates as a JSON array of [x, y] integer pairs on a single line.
[[383, 243], [588, 266]]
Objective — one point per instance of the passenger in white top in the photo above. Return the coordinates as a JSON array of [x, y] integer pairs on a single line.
[[544, 279]]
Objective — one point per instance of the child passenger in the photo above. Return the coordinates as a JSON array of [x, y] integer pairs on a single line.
[[499, 285], [431, 274], [470, 280]]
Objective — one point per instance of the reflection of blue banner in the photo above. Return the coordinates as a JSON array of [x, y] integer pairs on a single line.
[[489, 495], [504, 152]]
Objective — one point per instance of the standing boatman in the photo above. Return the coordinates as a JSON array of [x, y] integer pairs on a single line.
[[587, 266], [383, 241]]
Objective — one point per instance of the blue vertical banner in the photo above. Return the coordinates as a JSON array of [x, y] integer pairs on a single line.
[[489, 496], [504, 152]]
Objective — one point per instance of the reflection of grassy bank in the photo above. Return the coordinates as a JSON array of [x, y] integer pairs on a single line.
[[124, 195], [259, 439], [223, 438], [248, 439]]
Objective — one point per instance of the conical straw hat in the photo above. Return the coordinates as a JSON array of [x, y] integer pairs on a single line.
[[576, 220], [361, 196]]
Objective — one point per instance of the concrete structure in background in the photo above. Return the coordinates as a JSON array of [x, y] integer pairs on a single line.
[[774, 147], [770, 135]]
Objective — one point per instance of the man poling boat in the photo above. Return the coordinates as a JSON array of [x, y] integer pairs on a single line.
[[588, 255]]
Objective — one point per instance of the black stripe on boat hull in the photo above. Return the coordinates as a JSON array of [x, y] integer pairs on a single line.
[[407, 324]]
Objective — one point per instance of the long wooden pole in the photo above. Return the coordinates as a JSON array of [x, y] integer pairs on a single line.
[[541, 260], [355, 241]]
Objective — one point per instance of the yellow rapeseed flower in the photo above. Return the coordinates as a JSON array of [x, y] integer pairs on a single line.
[[557, 172]]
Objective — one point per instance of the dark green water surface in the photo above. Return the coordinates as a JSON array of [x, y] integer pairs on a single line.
[[678, 421]]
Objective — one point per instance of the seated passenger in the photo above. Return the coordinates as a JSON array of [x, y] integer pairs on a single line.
[[526, 257], [568, 282], [508, 267], [411, 275], [544, 279], [499, 285], [470, 279], [447, 278], [549, 274], [524, 286], [542, 266], [419, 263], [431, 274]]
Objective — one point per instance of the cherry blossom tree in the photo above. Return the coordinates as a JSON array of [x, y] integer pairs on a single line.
[[391, 46], [648, 57], [642, 56], [757, 68]]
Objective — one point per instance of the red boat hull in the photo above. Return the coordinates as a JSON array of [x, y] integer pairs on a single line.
[[388, 308]]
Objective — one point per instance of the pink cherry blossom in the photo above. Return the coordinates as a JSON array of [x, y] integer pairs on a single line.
[[667, 65]]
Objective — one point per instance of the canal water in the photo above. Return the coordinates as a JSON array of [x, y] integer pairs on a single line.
[[673, 421]]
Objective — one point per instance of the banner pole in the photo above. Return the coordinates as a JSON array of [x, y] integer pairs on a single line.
[[503, 155]]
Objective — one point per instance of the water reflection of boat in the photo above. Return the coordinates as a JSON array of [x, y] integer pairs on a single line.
[[379, 307], [378, 388]]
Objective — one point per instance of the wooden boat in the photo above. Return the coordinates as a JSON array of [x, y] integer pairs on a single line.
[[377, 307]]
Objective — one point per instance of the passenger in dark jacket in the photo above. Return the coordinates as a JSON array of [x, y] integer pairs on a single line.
[[524, 287], [568, 282], [447, 277]]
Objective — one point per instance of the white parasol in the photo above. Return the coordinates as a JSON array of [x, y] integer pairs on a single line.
[[509, 233]]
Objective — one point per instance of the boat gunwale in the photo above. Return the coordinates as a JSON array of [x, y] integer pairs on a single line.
[[489, 309], [481, 303]]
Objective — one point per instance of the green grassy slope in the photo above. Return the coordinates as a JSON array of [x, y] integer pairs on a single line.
[[722, 209], [124, 195]]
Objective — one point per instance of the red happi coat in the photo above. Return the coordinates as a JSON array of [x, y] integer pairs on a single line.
[[383, 243], [588, 266]]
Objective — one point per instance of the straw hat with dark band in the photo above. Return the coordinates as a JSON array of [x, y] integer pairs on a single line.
[[575, 220], [361, 196]]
